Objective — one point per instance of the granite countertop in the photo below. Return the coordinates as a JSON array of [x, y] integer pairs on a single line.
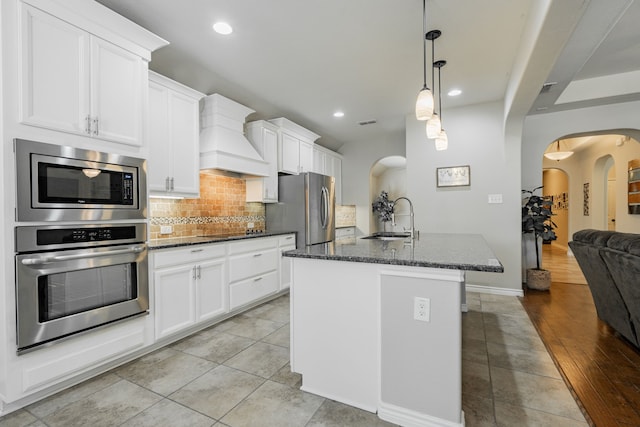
[[175, 242], [450, 251]]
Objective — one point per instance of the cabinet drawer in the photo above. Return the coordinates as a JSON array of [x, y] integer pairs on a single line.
[[287, 240], [252, 245], [252, 264], [168, 257], [249, 290]]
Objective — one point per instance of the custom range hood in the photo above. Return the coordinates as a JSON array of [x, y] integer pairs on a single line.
[[222, 141]]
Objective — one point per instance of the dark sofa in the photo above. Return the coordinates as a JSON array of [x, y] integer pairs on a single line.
[[610, 262]]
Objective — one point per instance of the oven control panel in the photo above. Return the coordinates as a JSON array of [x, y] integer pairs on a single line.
[[81, 235], [38, 238]]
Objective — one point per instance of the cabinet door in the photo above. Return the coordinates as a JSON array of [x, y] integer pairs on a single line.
[[337, 173], [319, 161], [174, 299], [289, 154], [306, 156], [160, 158], [270, 154], [117, 79], [211, 295], [184, 137], [55, 77]]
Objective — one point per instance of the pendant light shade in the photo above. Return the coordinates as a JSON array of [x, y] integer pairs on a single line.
[[558, 155], [442, 141], [434, 126], [424, 103]]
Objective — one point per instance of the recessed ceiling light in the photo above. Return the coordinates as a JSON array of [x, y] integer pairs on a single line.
[[222, 28], [454, 92], [338, 114]]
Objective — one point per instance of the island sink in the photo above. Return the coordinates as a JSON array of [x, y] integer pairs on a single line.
[[388, 235]]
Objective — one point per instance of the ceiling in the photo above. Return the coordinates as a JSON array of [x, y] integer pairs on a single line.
[[305, 60]]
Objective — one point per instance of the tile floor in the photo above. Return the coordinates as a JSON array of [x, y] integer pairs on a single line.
[[237, 374]]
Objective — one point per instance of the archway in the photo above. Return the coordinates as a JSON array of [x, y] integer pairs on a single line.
[[387, 174]]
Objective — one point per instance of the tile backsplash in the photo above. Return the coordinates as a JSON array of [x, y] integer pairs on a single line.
[[221, 208]]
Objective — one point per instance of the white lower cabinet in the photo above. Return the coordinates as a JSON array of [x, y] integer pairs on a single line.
[[189, 287], [253, 270], [286, 243]]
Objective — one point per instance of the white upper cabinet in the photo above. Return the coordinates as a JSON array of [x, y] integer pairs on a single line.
[[329, 162], [173, 138], [264, 137], [76, 82], [295, 147]]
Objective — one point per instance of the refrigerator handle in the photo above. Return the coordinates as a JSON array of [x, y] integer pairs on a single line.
[[325, 207]]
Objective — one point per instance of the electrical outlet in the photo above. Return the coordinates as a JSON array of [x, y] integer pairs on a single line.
[[166, 229], [250, 225], [421, 309]]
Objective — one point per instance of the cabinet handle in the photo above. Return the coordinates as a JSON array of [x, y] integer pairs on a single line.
[[95, 126], [257, 279], [256, 255], [171, 180], [193, 272], [196, 250], [289, 238], [199, 270], [87, 125], [166, 184]]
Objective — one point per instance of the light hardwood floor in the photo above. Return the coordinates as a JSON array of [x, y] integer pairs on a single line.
[[563, 266]]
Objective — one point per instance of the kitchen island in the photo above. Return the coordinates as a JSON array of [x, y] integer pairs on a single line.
[[377, 324]]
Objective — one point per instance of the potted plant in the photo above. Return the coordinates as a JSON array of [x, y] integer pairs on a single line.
[[536, 219], [384, 208]]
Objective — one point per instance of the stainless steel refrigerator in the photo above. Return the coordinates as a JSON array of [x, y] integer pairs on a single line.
[[306, 205]]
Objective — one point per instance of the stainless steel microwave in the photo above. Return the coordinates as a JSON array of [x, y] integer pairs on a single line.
[[58, 183]]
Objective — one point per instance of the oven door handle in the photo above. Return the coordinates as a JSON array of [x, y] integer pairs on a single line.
[[45, 260]]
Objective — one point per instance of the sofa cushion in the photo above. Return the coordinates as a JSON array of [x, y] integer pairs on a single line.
[[593, 237], [625, 242]]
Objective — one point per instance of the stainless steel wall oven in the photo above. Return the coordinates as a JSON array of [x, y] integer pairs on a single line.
[[71, 279], [58, 183]]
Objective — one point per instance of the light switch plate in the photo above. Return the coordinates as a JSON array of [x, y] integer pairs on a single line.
[[166, 229], [495, 198]]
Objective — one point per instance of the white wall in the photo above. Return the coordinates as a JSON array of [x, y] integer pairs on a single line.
[[476, 138], [357, 162]]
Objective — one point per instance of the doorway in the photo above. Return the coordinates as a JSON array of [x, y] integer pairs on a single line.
[[610, 194], [387, 174]]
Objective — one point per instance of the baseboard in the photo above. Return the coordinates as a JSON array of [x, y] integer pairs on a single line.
[[408, 418], [483, 289]]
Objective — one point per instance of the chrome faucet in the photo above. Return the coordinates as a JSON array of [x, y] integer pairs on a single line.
[[411, 230]]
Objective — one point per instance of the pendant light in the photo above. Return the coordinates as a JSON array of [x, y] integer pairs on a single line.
[[434, 126], [442, 141], [424, 103], [558, 155]]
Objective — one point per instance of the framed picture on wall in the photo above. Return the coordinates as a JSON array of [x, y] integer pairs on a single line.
[[585, 205], [453, 176]]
